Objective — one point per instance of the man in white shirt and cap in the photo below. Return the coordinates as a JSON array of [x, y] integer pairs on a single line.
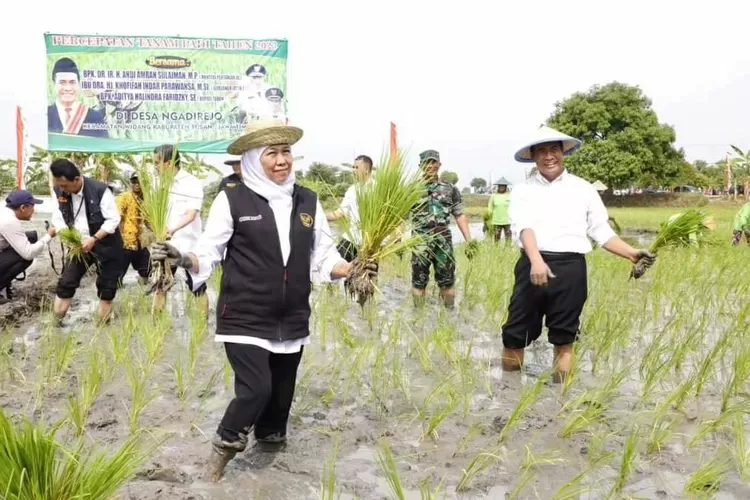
[[18, 248], [552, 217], [184, 208], [349, 209]]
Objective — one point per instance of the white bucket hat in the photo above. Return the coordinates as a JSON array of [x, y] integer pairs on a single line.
[[543, 135]]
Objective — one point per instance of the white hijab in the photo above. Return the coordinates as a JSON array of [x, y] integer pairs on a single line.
[[279, 196]]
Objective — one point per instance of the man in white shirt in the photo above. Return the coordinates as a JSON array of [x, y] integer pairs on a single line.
[[88, 206], [349, 209], [17, 250], [184, 208], [552, 217]]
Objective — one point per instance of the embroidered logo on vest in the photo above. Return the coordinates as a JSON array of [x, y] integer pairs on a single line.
[[250, 217], [306, 219]]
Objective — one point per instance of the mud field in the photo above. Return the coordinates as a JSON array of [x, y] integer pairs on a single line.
[[397, 403]]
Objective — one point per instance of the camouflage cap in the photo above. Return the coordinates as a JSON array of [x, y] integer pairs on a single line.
[[429, 154]]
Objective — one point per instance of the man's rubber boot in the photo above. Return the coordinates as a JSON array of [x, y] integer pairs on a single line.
[[272, 443], [221, 453]]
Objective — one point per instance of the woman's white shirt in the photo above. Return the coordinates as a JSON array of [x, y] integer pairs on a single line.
[[212, 245]]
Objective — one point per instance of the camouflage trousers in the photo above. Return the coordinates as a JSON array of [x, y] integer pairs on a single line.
[[737, 236], [501, 230], [438, 253]]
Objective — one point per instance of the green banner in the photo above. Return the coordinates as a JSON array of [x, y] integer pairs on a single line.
[[131, 93]]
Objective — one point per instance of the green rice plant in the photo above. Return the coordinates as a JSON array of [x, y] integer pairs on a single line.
[[180, 379], [528, 396], [73, 241], [477, 465], [629, 454], [137, 375], [90, 382], [597, 457], [35, 466], [464, 442], [205, 391], [590, 406], [58, 351], [738, 377], [661, 430], [709, 426], [384, 206], [689, 228], [390, 470], [706, 480], [741, 451], [7, 365], [710, 361], [328, 489], [119, 342], [198, 334], [153, 332], [442, 411], [530, 466], [154, 205]]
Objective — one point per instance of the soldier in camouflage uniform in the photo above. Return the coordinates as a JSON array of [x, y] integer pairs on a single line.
[[431, 218]]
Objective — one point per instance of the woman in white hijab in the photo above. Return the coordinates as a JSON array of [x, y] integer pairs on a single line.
[[275, 234]]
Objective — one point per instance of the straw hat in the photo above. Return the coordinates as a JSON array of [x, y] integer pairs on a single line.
[[543, 135], [264, 133], [501, 182], [599, 185]]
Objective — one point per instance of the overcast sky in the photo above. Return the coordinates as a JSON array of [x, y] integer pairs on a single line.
[[465, 79]]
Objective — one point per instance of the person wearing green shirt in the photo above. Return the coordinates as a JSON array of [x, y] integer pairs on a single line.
[[741, 225], [498, 209]]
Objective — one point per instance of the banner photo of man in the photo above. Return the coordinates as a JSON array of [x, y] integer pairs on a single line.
[[131, 93]]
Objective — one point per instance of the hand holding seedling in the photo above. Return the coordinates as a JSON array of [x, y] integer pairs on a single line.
[[540, 273], [88, 244], [642, 260], [472, 247], [162, 251]]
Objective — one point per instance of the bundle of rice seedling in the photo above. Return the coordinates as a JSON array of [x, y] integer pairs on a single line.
[[73, 241], [689, 228], [154, 206], [35, 466], [384, 205]]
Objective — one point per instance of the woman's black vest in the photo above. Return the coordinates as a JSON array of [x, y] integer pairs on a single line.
[[260, 296]]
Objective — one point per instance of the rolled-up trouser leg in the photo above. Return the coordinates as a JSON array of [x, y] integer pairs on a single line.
[[108, 280], [252, 388], [70, 278], [11, 265]]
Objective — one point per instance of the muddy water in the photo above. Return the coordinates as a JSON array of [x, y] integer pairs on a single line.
[[340, 402]]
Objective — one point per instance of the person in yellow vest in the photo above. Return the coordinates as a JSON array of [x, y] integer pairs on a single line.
[[498, 209], [131, 223]]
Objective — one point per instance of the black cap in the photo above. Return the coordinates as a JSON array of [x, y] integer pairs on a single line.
[[274, 93], [255, 70], [18, 198], [233, 161], [65, 65]]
